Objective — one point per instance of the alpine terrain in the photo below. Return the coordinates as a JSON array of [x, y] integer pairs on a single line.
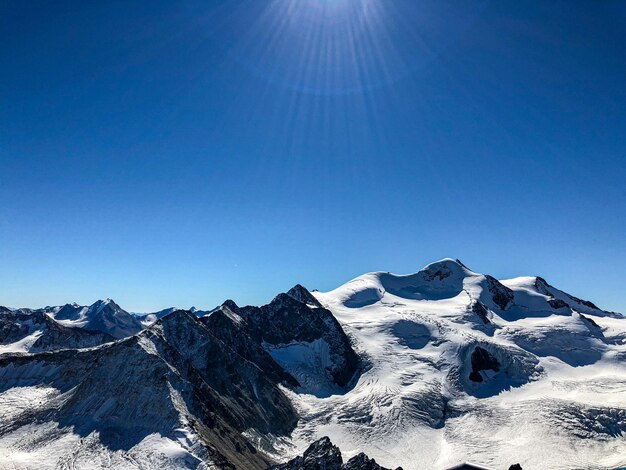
[[423, 371]]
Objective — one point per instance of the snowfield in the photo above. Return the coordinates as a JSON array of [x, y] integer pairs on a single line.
[[452, 366], [558, 399]]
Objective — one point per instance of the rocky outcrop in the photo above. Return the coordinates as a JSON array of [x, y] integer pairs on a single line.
[[287, 321], [363, 462], [323, 455], [559, 299], [481, 312], [501, 295], [482, 361]]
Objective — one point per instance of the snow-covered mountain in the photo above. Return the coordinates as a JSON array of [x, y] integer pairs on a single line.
[[104, 315], [24, 331], [64, 327], [464, 367], [425, 371]]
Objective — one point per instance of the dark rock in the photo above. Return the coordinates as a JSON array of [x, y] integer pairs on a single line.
[[286, 320], [557, 303], [323, 455], [482, 360], [515, 466], [362, 462], [437, 271], [177, 371], [481, 311], [542, 286], [300, 293], [589, 320], [259, 402], [227, 324], [502, 296]]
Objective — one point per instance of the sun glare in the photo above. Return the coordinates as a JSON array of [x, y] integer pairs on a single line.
[[333, 47]]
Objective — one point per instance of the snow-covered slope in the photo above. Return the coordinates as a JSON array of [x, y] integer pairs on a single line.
[[463, 367]]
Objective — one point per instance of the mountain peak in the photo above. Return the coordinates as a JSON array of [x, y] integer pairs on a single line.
[[100, 304], [230, 304], [302, 294], [448, 265], [177, 315]]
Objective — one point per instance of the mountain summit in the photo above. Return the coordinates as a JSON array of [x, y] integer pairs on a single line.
[[104, 316]]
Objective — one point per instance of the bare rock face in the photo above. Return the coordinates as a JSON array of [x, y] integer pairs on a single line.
[[501, 295], [228, 324], [298, 318], [301, 294], [363, 462], [482, 360], [323, 455]]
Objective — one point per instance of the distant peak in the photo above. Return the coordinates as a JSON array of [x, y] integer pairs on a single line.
[[231, 305], [102, 305], [177, 316]]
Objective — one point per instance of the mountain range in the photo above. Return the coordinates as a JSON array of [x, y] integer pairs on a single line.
[[426, 370]]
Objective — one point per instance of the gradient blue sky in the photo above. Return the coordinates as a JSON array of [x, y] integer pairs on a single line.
[[184, 152]]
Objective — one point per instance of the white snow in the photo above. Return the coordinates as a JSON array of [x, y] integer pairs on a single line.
[[23, 345], [415, 407], [309, 363]]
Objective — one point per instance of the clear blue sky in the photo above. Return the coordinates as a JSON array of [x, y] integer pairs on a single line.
[[184, 152]]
